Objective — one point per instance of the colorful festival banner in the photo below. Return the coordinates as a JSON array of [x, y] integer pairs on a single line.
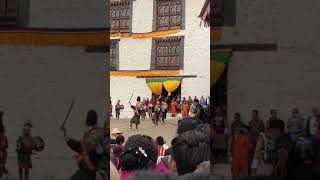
[[146, 35], [170, 84], [155, 87], [144, 72], [218, 63], [55, 36]]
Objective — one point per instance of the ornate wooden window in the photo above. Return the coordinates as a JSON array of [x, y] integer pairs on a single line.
[[114, 55], [9, 11], [168, 53], [14, 12], [169, 14], [223, 12], [120, 16]]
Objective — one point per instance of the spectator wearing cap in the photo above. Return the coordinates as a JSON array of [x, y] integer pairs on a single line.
[[115, 133]]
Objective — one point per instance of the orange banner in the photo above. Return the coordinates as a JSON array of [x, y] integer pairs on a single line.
[[145, 73]]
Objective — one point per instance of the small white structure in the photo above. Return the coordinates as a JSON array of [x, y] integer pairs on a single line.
[[139, 48]]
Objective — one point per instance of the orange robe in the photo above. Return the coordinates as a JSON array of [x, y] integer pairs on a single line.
[[173, 108], [240, 158], [185, 110]]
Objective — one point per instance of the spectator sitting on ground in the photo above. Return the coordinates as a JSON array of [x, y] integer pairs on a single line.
[[140, 153], [188, 151], [162, 163], [160, 143], [119, 148]]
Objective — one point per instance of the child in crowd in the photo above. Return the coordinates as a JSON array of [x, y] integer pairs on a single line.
[[118, 149], [241, 147], [24, 150]]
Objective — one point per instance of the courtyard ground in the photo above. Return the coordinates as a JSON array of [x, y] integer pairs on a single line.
[[167, 131]]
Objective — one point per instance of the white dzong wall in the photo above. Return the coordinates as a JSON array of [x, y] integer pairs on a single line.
[[39, 82], [135, 54], [282, 79]]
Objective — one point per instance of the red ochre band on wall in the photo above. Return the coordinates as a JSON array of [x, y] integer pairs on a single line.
[[55, 36], [75, 37]]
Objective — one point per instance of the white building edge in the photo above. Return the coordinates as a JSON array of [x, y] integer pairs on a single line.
[[136, 54]]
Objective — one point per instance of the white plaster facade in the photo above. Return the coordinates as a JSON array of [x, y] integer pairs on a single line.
[[135, 54], [282, 79], [39, 82]]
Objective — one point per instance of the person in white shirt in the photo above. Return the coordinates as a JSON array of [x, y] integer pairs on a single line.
[[313, 124]]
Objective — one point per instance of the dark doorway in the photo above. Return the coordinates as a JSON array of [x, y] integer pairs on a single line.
[[219, 91], [164, 94]]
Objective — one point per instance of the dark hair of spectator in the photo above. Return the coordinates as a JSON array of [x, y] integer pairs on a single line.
[[120, 139], [187, 124], [205, 128], [139, 151], [92, 118], [160, 140], [277, 124], [138, 98], [189, 150], [147, 175], [255, 111]]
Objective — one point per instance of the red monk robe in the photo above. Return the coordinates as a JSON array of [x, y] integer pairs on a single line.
[[173, 108], [185, 110], [240, 160]]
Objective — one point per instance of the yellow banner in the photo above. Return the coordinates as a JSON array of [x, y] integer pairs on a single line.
[[171, 85], [155, 87], [144, 73]]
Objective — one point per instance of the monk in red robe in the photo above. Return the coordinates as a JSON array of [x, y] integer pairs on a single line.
[[173, 107], [185, 109]]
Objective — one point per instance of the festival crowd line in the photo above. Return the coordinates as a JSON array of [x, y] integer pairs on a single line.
[[157, 108], [271, 149]]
